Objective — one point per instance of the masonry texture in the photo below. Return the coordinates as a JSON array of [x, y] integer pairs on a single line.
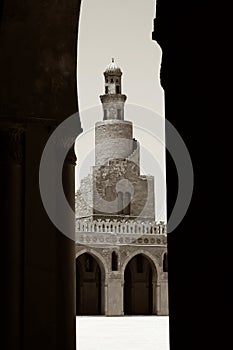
[[121, 251]]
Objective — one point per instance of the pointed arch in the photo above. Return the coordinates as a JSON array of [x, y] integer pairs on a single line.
[[97, 256], [140, 290], [91, 272], [147, 255]]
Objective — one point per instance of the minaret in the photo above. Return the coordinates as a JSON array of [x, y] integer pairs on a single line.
[[113, 135], [113, 101], [116, 189]]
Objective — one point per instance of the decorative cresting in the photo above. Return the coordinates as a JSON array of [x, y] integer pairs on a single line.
[[114, 232], [123, 226]]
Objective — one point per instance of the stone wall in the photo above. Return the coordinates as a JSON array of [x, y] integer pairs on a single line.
[[108, 184], [84, 198], [113, 105], [98, 193], [135, 155]]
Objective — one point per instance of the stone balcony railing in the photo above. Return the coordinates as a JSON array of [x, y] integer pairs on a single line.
[[120, 227]]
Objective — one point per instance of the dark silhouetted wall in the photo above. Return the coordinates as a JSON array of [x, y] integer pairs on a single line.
[[192, 38], [38, 45]]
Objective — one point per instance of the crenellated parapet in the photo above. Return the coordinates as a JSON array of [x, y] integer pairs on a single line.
[[123, 226]]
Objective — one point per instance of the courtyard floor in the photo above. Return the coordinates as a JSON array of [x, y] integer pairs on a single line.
[[122, 333]]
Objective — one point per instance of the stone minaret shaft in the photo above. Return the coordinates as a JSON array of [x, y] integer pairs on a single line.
[[113, 135]]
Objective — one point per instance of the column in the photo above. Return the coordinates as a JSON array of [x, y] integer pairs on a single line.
[[164, 310], [157, 297], [105, 296], [115, 294], [12, 192]]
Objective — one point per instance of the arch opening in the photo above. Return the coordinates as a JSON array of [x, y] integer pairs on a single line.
[[114, 261], [89, 286], [139, 287], [165, 263]]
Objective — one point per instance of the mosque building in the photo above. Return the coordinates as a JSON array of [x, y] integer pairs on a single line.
[[121, 250]]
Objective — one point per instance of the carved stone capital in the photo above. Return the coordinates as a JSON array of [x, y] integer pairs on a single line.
[[12, 143]]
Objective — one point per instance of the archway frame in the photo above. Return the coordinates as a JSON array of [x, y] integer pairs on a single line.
[[155, 278], [102, 263], [147, 255], [104, 270]]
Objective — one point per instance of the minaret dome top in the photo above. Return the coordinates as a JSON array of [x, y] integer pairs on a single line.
[[112, 68]]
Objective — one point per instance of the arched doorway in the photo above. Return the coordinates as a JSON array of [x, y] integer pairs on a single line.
[[89, 289], [139, 286]]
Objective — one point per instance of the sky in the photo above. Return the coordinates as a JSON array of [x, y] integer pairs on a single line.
[[122, 30]]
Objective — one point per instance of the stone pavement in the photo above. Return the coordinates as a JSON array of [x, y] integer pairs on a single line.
[[122, 333]]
